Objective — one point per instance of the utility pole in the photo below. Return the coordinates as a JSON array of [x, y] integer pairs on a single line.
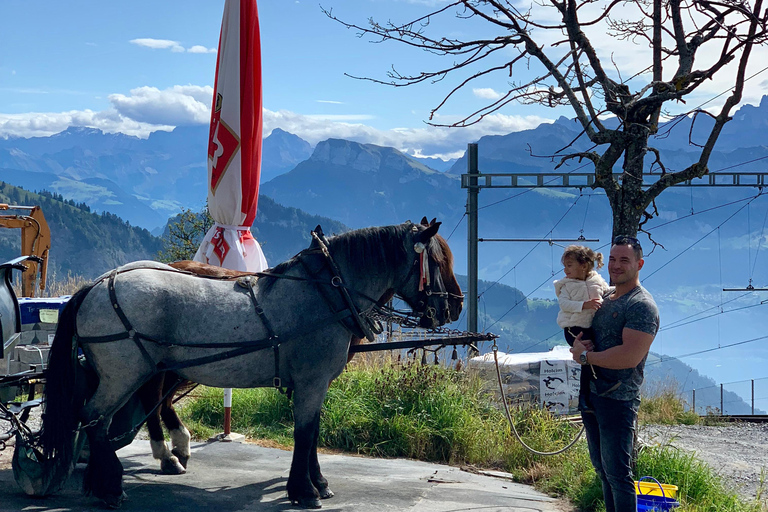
[[472, 192]]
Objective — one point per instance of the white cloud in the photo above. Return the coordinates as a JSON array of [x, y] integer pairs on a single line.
[[340, 117], [146, 109], [44, 124], [486, 93], [427, 141], [201, 49], [167, 44], [158, 44], [332, 102], [179, 105]]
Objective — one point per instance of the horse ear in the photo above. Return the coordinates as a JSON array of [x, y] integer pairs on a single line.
[[432, 221], [424, 221], [319, 232], [428, 233]]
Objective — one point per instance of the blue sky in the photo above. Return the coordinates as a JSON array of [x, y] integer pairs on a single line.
[[153, 63], [145, 65]]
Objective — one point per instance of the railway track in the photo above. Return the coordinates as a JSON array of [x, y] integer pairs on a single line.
[[750, 418]]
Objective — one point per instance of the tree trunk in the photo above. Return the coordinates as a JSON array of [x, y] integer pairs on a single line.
[[629, 203]]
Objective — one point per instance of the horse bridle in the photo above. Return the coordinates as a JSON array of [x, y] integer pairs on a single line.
[[427, 281]]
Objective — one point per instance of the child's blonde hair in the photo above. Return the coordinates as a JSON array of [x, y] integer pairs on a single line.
[[583, 255]]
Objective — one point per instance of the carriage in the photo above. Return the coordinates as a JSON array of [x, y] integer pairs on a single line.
[[293, 326]]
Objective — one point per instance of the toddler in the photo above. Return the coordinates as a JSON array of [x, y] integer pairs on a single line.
[[580, 294]]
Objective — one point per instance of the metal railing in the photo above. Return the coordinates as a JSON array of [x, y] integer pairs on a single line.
[[744, 397]]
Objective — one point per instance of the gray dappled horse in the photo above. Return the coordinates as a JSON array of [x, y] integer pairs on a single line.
[[158, 394], [289, 327]]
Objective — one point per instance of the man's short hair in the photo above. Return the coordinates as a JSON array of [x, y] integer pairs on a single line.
[[631, 241]]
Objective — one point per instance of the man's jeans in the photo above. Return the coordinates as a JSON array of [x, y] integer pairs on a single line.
[[610, 427]]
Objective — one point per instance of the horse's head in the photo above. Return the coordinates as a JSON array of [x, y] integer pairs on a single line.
[[424, 287], [452, 288]]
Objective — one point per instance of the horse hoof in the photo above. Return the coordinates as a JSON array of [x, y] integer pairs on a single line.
[[183, 459], [307, 502], [172, 466], [114, 502], [325, 493]]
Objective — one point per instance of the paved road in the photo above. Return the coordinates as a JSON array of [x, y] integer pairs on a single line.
[[225, 477]]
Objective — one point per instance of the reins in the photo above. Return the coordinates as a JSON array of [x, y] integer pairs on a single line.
[[512, 423]]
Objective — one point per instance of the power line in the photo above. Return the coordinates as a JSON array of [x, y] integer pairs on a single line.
[[710, 350], [673, 324], [715, 314], [457, 225], [534, 247], [705, 211], [697, 241]]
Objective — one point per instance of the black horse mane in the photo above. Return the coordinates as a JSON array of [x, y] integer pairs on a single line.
[[376, 246]]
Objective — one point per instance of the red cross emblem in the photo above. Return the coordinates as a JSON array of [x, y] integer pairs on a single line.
[[220, 246], [223, 143]]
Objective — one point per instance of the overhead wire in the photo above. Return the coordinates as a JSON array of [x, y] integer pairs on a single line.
[[759, 244], [697, 241], [534, 247], [699, 352]]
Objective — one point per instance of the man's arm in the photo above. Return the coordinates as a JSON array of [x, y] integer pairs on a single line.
[[635, 346]]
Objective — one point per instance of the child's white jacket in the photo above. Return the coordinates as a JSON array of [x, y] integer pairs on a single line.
[[573, 293]]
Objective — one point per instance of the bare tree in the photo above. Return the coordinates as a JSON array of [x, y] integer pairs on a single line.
[[669, 35]]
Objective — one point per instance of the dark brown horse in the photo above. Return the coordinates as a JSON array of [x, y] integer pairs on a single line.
[[160, 389]]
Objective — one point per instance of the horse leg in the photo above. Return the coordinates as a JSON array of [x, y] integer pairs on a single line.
[[306, 413], [150, 394], [180, 436], [318, 480], [104, 473]]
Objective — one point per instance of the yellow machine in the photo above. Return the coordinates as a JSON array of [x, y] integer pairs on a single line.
[[35, 241]]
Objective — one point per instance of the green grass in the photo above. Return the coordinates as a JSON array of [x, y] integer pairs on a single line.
[[665, 408], [437, 414]]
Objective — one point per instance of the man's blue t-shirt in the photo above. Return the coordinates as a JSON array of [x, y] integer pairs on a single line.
[[636, 310]]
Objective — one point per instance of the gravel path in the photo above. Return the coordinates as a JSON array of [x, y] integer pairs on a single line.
[[738, 452]]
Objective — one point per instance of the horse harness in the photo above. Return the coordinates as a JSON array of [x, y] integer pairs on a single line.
[[360, 326]]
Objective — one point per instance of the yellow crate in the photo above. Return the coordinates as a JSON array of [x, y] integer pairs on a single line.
[[652, 488]]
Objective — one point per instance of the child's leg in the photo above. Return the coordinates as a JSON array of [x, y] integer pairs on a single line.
[[570, 335], [586, 370]]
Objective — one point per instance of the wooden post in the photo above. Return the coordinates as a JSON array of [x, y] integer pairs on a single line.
[[694, 401], [722, 408]]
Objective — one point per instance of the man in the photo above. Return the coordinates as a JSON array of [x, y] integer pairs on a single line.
[[624, 325]]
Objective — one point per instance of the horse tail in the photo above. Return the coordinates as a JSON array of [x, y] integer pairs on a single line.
[[66, 389]]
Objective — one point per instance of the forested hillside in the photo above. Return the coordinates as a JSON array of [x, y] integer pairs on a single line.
[[83, 243]]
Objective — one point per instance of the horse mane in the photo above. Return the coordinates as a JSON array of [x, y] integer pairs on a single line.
[[377, 246]]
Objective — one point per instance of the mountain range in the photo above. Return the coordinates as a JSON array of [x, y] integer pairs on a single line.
[[144, 181], [710, 237]]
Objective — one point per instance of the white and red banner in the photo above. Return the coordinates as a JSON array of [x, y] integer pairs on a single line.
[[234, 143]]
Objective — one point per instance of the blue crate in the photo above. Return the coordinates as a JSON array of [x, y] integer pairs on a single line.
[[30, 307], [654, 503]]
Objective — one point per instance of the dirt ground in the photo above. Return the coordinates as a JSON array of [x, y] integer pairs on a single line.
[[737, 452]]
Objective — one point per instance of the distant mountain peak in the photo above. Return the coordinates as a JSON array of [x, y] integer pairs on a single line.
[[368, 158], [79, 130]]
